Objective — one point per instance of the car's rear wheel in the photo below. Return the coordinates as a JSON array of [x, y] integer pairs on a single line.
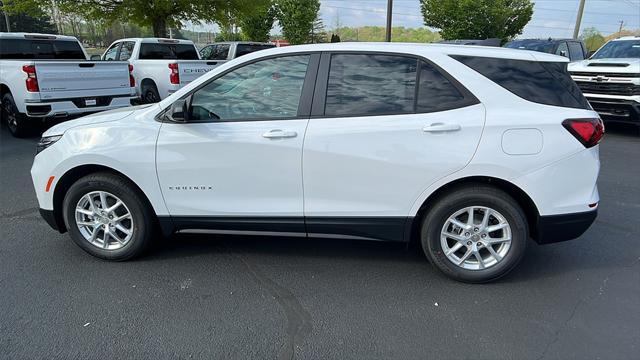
[[475, 234], [16, 122], [107, 217]]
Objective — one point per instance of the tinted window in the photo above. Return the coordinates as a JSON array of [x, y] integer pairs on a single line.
[[26, 49], [220, 52], [619, 49], [111, 53], [541, 82], [562, 49], [244, 49], [267, 89], [126, 50], [435, 92], [535, 45], [205, 53], [153, 51], [370, 85], [575, 51]]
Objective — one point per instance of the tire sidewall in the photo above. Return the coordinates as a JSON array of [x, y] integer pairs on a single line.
[[19, 129], [142, 225], [435, 220], [150, 89]]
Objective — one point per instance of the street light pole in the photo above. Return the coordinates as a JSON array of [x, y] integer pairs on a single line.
[[576, 30], [389, 12]]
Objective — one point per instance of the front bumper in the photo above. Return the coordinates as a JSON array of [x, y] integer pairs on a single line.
[[50, 218], [557, 228], [616, 110]]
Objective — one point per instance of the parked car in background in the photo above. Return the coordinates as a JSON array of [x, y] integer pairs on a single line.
[[575, 50], [48, 76], [470, 151], [225, 51], [160, 66], [610, 80]]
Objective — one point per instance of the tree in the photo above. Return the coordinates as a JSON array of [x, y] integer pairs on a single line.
[[592, 38], [158, 14], [256, 22], [21, 22], [477, 19], [296, 17]]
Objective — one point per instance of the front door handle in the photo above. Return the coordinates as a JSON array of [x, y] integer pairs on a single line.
[[441, 127], [279, 134]]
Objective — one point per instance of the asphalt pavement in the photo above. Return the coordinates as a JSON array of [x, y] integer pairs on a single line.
[[233, 297]]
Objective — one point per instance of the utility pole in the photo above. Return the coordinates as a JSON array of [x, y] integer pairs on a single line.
[[6, 17], [389, 13], [620, 30], [576, 30]]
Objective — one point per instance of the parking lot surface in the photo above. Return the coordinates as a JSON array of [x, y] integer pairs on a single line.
[[265, 298]]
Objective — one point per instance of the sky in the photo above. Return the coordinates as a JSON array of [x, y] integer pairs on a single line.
[[551, 18]]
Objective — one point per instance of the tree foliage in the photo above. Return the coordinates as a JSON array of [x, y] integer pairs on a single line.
[[256, 21], [297, 17], [477, 19], [377, 33], [592, 38], [157, 14], [37, 22]]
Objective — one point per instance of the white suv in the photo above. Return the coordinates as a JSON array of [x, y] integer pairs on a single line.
[[470, 151]]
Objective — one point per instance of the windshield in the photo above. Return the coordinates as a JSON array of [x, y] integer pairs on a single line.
[[244, 49], [26, 49], [540, 46], [619, 49]]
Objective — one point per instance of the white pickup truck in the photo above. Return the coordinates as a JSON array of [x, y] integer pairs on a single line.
[[160, 66], [48, 76], [610, 80]]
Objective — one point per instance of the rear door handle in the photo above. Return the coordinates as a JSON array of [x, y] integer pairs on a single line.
[[279, 134], [441, 127]]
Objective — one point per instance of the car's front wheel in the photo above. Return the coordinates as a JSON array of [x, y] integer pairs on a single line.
[[107, 217], [475, 234]]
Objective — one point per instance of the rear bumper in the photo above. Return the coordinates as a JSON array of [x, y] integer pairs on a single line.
[[557, 228], [75, 106]]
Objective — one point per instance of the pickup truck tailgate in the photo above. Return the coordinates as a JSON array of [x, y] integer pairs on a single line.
[[192, 69], [68, 79]]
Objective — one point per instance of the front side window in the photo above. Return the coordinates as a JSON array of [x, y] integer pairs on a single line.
[[267, 89], [364, 84], [126, 50], [205, 53], [562, 50], [111, 53], [220, 52]]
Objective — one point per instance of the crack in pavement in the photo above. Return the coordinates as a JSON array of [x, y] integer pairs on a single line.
[[299, 324], [601, 289]]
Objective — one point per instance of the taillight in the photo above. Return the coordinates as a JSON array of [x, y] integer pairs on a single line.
[[174, 78], [587, 131], [132, 80], [32, 79]]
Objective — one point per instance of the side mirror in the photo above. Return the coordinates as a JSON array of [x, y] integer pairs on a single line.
[[95, 58], [590, 54], [179, 112], [563, 53]]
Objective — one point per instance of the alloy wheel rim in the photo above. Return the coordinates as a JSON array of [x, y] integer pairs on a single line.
[[476, 238], [104, 220]]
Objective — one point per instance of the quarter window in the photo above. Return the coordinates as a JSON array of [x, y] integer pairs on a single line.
[[267, 89], [364, 84]]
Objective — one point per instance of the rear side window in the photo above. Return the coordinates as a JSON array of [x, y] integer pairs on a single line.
[[370, 85], [436, 92], [26, 49], [540, 82], [244, 49], [153, 51], [575, 51]]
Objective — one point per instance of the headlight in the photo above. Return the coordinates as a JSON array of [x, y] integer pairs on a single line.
[[46, 141]]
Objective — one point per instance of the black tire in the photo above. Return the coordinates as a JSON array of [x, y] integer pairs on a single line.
[[143, 217], [16, 122], [150, 93], [461, 198]]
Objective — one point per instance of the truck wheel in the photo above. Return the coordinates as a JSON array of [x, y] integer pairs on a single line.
[[475, 234], [150, 94], [108, 217], [17, 123]]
